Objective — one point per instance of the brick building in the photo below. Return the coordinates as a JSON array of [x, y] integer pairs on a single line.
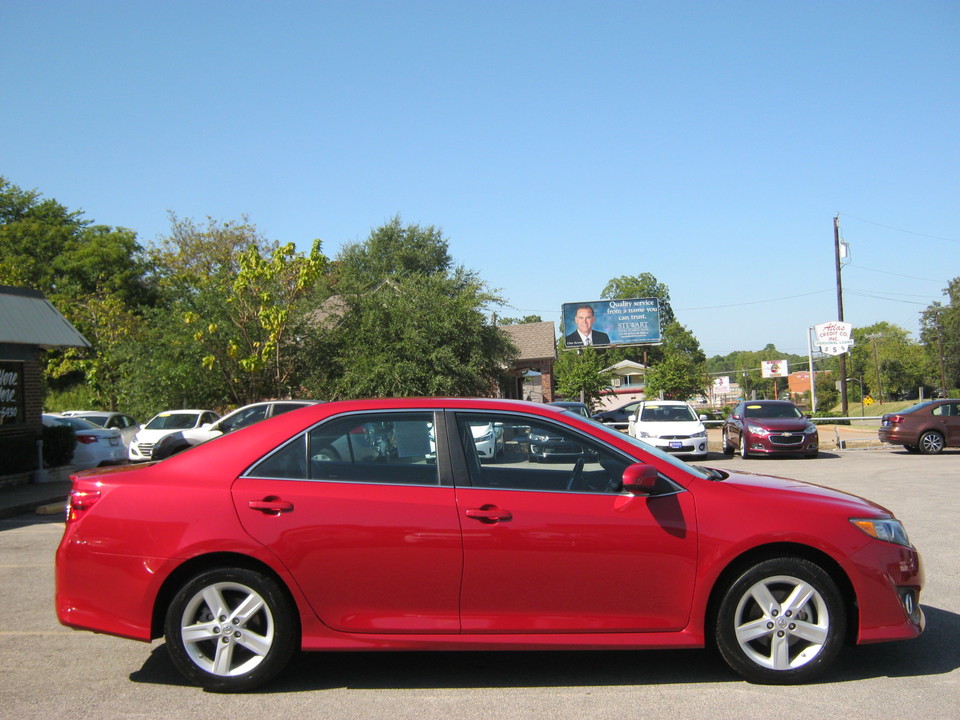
[[28, 324]]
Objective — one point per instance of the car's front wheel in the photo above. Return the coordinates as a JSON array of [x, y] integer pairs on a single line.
[[231, 629], [744, 453], [781, 622], [931, 442], [727, 447]]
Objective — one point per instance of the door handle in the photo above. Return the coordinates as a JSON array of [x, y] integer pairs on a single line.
[[490, 514], [271, 505]]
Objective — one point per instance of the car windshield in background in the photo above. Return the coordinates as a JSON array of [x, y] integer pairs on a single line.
[[772, 411], [172, 421], [675, 413]]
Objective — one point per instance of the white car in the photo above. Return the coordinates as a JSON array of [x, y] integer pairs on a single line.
[[124, 424], [180, 440], [164, 423], [95, 445], [489, 440], [670, 425]]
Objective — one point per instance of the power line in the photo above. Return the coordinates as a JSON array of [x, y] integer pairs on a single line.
[[754, 302], [908, 232]]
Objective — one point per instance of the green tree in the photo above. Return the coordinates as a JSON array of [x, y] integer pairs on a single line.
[[579, 375], [889, 362], [243, 300], [644, 285], [676, 377], [94, 274], [405, 321], [940, 334]]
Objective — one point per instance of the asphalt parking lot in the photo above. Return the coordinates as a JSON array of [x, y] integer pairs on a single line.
[[51, 671]]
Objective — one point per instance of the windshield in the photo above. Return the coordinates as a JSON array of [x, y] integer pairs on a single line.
[[778, 412], [172, 421], [702, 473], [667, 413]]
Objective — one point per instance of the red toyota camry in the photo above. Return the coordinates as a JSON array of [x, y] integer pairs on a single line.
[[374, 525]]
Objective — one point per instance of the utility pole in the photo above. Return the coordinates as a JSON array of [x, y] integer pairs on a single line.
[[943, 372], [843, 356]]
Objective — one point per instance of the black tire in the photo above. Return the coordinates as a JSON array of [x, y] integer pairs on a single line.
[[768, 636], [931, 442], [812, 455], [744, 453], [226, 649], [728, 449], [911, 448]]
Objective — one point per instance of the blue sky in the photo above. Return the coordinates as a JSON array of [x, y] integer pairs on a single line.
[[556, 144]]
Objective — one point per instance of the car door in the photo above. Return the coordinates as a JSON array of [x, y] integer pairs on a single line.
[[557, 547], [356, 511], [948, 415]]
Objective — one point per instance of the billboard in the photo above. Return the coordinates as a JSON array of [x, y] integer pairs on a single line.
[[608, 323], [774, 368]]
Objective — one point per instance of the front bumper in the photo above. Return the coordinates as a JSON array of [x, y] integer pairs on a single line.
[[782, 443]]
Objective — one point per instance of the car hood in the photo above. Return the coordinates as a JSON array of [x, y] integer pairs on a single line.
[[771, 485], [153, 435], [780, 424], [687, 427]]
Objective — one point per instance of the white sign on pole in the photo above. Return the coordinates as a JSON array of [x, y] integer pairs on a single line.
[[774, 368], [835, 337]]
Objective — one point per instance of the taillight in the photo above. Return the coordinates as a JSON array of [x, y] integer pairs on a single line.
[[895, 419], [80, 501], [86, 439]]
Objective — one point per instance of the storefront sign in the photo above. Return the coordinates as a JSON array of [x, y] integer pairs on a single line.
[[11, 393]]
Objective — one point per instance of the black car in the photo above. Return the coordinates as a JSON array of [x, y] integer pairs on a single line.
[[618, 416], [577, 408]]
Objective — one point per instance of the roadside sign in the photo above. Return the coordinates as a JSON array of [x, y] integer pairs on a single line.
[[835, 337]]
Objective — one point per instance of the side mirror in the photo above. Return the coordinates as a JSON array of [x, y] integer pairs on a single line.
[[702, 418], [206, 426], [640, 479]]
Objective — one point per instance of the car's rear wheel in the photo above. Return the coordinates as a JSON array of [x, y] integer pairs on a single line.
[[931, 442], [781, 622], [911, 448], [231, 629]]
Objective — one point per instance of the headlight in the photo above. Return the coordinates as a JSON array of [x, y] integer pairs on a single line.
[[699, 434], [811, 430], [645, 434], [888, 530], [757, 430]]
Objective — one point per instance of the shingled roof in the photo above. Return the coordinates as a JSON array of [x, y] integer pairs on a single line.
[[28, 318], [535, 341]]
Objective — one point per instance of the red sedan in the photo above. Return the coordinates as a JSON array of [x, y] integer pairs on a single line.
[[372, 525]]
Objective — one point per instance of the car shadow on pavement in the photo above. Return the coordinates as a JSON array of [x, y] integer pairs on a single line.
[[934, 653]]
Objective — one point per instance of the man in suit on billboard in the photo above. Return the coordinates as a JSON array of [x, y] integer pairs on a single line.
[[585, 335]]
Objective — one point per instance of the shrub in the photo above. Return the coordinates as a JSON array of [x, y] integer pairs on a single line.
[[18, 454], [59, 442]]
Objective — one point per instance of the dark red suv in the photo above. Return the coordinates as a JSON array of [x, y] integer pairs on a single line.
[[926, 427], [769, 427]]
